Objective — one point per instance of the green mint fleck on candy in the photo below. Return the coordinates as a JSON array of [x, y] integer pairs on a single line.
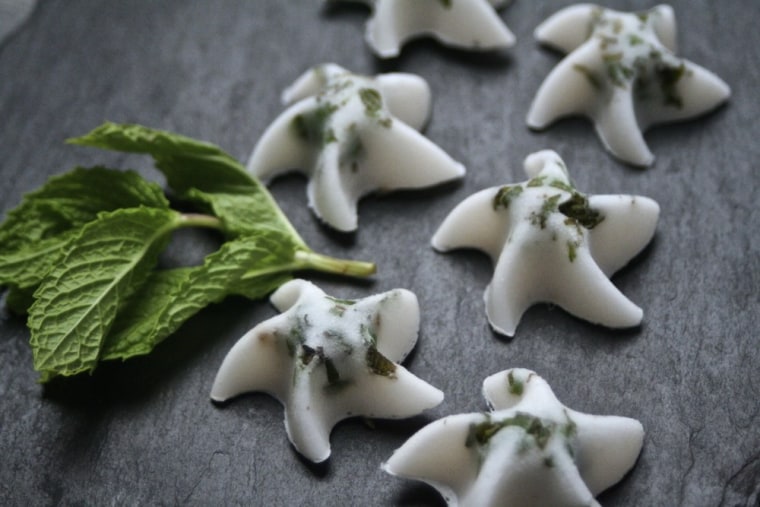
[[516, 386], [372, 101], [505, 195], [80, 253]]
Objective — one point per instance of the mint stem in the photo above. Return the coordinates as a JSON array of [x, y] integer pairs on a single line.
[[319, 262], [198, 220]]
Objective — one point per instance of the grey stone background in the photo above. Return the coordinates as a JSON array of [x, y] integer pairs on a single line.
[[145, 433], [13, 13]]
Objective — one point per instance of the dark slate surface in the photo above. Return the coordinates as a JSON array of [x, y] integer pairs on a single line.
[[144, 432]]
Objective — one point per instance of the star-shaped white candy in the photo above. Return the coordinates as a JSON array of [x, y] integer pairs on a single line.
[[352, 135], [623, 74], [327, 359], [530, 450], [551, 243], [467, 24]]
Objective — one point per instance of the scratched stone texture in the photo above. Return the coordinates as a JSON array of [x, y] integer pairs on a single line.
[[145, 433]]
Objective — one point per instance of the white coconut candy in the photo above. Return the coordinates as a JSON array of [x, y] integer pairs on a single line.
[[623, 74], [327, 359], [529, 450], [551, 243], [352, 135], [463, 24]]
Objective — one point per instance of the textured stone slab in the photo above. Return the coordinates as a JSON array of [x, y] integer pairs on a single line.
[[144, 432]]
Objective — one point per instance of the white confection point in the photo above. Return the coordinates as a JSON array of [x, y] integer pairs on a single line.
[[464, 24], [528, 450], [551, 243], [327, 359], [352, 135], [622, 73]]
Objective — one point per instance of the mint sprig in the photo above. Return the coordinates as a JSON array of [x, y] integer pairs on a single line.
[[81, 252]]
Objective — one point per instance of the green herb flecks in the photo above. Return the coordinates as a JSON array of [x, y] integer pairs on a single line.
[[353, 149], [591, 76], [578, 208], [569, 429], [379, 364], [538, 181], [368, 334], [340, 305], [446, 3], [373, 106], [308, 353], [516, 386], [547, 208], [537, 430], [562, 185], [572, 252], [312, 126], [618, 72], [668, 77], [372, 100], [333, 377], [340, 301], [505, 195]]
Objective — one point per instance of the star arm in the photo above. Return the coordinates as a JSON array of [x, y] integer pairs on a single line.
[[310, 83], [259, 361], [391, 24], [314, 407], [470, 24], [288, 294], [393, 396], [515, 286], [464, 24], [608, 447], [332, 197], [399, 157], [546, 163], [696, 92], [309, 416], [474, 223], [664, 22], [281, 149], [406, 96], [571, 88], [513, 475], [565, 485], [508, 388], [618, 128], [628, 226], [568, 28], [583, 290], [395, 322], [438, 455]]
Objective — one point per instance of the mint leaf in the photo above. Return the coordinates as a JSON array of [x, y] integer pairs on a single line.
[[26, 267], [201, 172], [244, 213], [90, 240], [139, 326], [186, 162], [19, 300], [169, 298], [78, 300], [73, 199], [35, 234]]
